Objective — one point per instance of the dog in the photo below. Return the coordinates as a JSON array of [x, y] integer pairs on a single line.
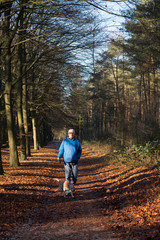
[[66, 187]]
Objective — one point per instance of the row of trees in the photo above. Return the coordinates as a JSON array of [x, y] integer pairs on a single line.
[[38, 41], [43, 80], [122, 95]]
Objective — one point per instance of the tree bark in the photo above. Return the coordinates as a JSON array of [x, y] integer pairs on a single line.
[[145, 95], [1, 166], [34, 127], [8, 88], [24, 81], [11, 135], [19, 91], [25, 118], [1, 131]]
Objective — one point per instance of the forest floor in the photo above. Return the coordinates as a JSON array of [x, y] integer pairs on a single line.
[[112, 200]]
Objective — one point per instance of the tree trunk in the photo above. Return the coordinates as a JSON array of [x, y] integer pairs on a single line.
[[1, 131], [8, 86], [11, 135], [104, 122], [1, 167], [19, 92], [146, 100], [20, 124], [155, 105], [34, 127], [140, 99], [25, 119], [33, 115], [24, 81], [123, 125]]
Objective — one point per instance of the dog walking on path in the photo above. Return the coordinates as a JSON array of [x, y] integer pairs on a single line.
[[66, 187]]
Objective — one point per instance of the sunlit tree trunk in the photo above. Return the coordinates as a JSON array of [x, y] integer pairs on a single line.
[[24, 82], [25, 117], [19, 91], [8, 87], [33, 116], [34, 129]]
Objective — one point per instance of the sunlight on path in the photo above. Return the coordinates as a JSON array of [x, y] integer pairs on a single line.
[[112, 201], [56, 217]]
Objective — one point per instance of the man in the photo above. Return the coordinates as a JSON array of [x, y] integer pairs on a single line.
[[70, 150]]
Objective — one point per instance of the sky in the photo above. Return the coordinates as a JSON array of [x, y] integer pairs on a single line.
[[111, 27], [111, 22]]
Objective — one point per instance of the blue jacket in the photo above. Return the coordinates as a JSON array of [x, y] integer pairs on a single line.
[[70, 150]]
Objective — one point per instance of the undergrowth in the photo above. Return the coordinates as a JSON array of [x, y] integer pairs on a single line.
[[147, 155], [140, 155], [98, 147]]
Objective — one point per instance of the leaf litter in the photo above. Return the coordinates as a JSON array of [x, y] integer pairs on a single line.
[[112, 200]]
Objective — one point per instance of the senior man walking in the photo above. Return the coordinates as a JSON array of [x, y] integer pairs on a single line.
[[70, 150]]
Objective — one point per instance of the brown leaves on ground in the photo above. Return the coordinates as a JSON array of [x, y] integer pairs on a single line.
[[132, 201], [110, 198], [24, 190]]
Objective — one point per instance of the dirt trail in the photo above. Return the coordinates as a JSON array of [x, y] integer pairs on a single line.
[[112, 200], [81, 217], [55, 217]]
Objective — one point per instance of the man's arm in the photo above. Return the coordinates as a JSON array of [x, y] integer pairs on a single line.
[[79, 150], [61, 151]]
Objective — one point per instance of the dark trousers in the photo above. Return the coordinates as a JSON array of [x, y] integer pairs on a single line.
[[71, 168]]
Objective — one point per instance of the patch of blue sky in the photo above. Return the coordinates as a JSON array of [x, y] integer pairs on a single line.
[[107, 17]]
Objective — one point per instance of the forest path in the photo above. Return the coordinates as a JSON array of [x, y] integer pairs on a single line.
[[54, 217], [112, 200]]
